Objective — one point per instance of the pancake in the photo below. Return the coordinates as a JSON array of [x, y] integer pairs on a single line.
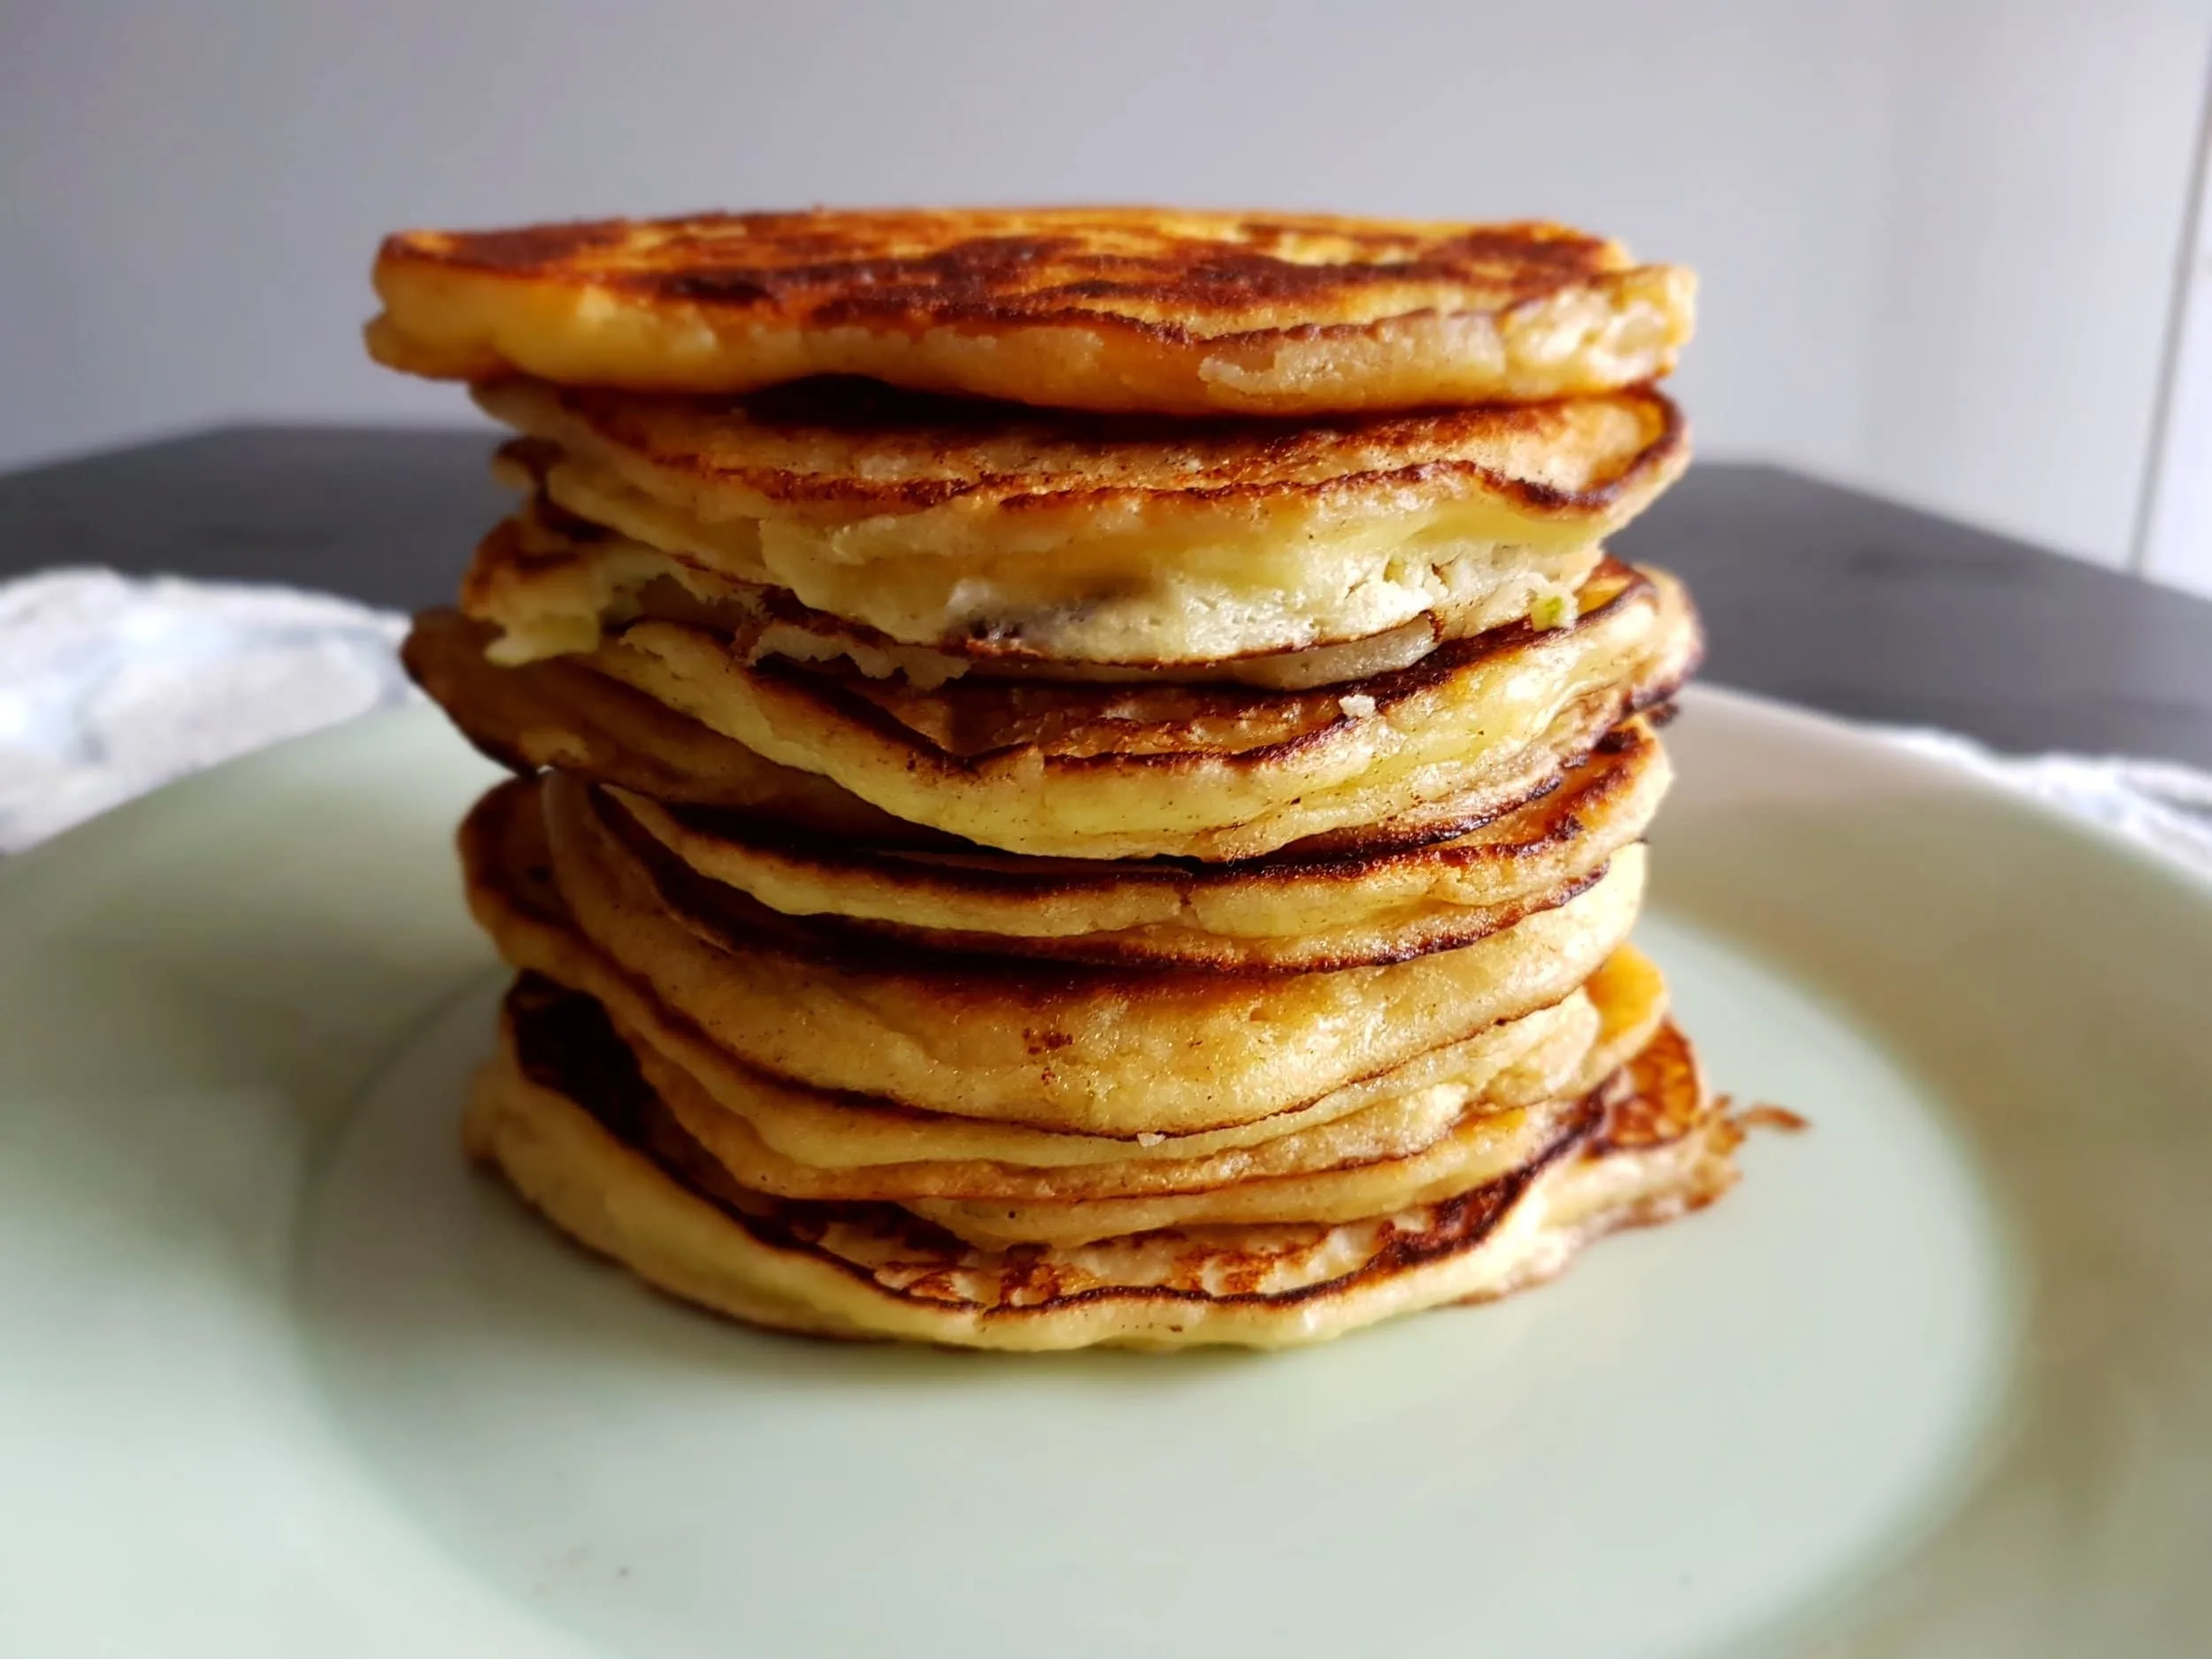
[[1206, 772], [560, 712], [1085, 1050], [516, 899], [1056, 1046], [552, 584], [1480, 1143], [1346, 1170], [740, 1114], [1094, 1050], [1420, 1136], [1081, 772], [1176, 312], [564, 1114], [1002, 536], [1404, 1122], [784, 1137], [1280, 913]]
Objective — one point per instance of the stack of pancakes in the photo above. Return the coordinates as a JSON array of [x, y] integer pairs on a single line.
[[1081, 775]]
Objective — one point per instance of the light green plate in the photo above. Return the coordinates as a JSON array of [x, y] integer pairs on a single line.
[[279, 1377]]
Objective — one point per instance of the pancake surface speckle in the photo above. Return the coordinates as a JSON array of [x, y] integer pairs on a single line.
[[1174, 311]]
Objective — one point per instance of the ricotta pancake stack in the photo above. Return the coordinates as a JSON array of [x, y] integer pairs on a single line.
[[1080, 776]]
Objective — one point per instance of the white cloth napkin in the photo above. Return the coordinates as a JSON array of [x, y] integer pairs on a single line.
[[2154, 802], [109, 685]]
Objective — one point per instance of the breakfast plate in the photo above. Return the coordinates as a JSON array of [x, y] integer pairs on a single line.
[[280, 1374]]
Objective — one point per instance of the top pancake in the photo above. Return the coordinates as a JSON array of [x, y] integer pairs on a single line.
[[1117, 309]]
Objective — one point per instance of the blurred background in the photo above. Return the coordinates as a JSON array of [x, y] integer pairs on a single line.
[[1949, 246]]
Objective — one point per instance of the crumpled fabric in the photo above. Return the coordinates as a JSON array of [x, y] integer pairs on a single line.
[[2156, 803], [111, 685]]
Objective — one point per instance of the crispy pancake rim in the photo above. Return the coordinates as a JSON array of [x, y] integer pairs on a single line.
[[1175, 311], [1094, 772], [1013, 538], [553, 583], [513, 896], [809, 1267], [1283, 912], [1058, 1045], [560, 712]]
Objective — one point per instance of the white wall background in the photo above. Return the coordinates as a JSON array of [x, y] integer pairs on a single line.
[[1939, 236]]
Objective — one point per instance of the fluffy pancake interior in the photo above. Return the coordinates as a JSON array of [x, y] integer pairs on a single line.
[[1010, 537], [553, 584]]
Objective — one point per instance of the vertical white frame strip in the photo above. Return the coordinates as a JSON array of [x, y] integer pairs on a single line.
[[2173, 525]]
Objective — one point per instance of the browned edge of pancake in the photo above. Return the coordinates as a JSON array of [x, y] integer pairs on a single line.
[[492, 707], [728, 918], [1556, 814], [504, 856], [906, 269], [1111, 950], [561, 712], [1559, 807], [1223, 461], [565, 1043], [852, 700]]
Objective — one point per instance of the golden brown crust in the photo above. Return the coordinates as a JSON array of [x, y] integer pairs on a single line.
[[1174, 311], [560, 712], [520, 907], [1008, 770], [1187, 728], [1179, 276], [1297, 912], [1070, 1049], [565, 1115], [839, 448], [1070, 771]]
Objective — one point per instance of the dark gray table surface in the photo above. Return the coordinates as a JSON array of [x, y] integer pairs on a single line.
[[1821, 595]]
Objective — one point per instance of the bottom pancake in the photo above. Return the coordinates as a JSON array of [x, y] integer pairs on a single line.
[[564, 1114]]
